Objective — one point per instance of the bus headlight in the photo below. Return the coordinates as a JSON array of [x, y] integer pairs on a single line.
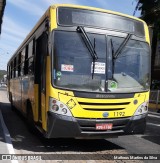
[[58, 107], [141, 111]]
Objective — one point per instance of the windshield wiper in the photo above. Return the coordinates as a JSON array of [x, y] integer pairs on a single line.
[[89, 45], [122, 46], [112, 52], [118, 52]]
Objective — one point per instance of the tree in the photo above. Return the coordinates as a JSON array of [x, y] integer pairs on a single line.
[[150, 12]]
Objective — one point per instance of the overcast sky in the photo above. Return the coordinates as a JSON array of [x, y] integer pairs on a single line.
[[20, 16]]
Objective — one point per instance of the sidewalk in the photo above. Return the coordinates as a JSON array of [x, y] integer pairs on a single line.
[[5, 146]]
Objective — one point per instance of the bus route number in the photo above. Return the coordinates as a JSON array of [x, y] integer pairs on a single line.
[[119, 114]]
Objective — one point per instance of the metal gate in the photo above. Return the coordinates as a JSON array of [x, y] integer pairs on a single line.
[[154, 99]]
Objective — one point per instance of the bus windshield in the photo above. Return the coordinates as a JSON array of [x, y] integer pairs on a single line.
[[73, 64]]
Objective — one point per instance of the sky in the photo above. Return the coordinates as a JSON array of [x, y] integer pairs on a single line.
[[20, 16]]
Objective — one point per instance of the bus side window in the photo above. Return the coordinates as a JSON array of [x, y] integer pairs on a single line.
[[8, 72], [26, 61], [19, 64], [31, 57], [22, 61], [11, 71], [14, 68]]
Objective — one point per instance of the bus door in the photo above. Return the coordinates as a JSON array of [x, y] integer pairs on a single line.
[[40, 74]]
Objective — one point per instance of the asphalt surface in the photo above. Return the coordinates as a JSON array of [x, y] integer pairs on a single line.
[[25, 142]]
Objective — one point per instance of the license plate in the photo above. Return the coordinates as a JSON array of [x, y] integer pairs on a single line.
[[107, 126]]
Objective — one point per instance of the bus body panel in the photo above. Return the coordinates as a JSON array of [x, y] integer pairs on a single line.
[[60, 126], [108, 105]]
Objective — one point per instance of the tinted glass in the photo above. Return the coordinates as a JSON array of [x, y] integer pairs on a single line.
[[132, 66], [72, 63], [75, 17]]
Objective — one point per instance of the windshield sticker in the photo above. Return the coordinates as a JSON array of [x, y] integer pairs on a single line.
[[59, 74], [112, 85], [99, 68], [69, 68]]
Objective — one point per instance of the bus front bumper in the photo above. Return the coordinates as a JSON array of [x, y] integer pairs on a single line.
[[60, 126]]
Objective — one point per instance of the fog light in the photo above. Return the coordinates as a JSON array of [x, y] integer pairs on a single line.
[[64, 111], [61, 105], [55, 107], [54, 101], [135, 102]]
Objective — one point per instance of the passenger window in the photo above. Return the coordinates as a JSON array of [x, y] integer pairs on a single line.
[[26, 61], [22, 61], [22, 69], [31, 52], [19, 64], [14, 69], [11, 70], [8, 72]]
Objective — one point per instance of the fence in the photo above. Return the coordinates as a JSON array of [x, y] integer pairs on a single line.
[[154, 99]]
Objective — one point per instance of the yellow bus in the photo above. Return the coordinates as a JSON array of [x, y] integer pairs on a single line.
[[83, 72]]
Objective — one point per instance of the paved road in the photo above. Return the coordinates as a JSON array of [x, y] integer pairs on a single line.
[[149, 143], [25, 142]]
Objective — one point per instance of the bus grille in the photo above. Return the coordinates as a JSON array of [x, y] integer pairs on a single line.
[[89, 125], [104, 106]]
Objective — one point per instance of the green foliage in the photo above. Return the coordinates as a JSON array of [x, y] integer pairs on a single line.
[[150, 10]]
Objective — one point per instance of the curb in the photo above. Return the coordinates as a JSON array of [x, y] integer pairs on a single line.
[[7, 138]]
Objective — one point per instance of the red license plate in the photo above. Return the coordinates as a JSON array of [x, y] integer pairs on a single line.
[[107, 126]]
